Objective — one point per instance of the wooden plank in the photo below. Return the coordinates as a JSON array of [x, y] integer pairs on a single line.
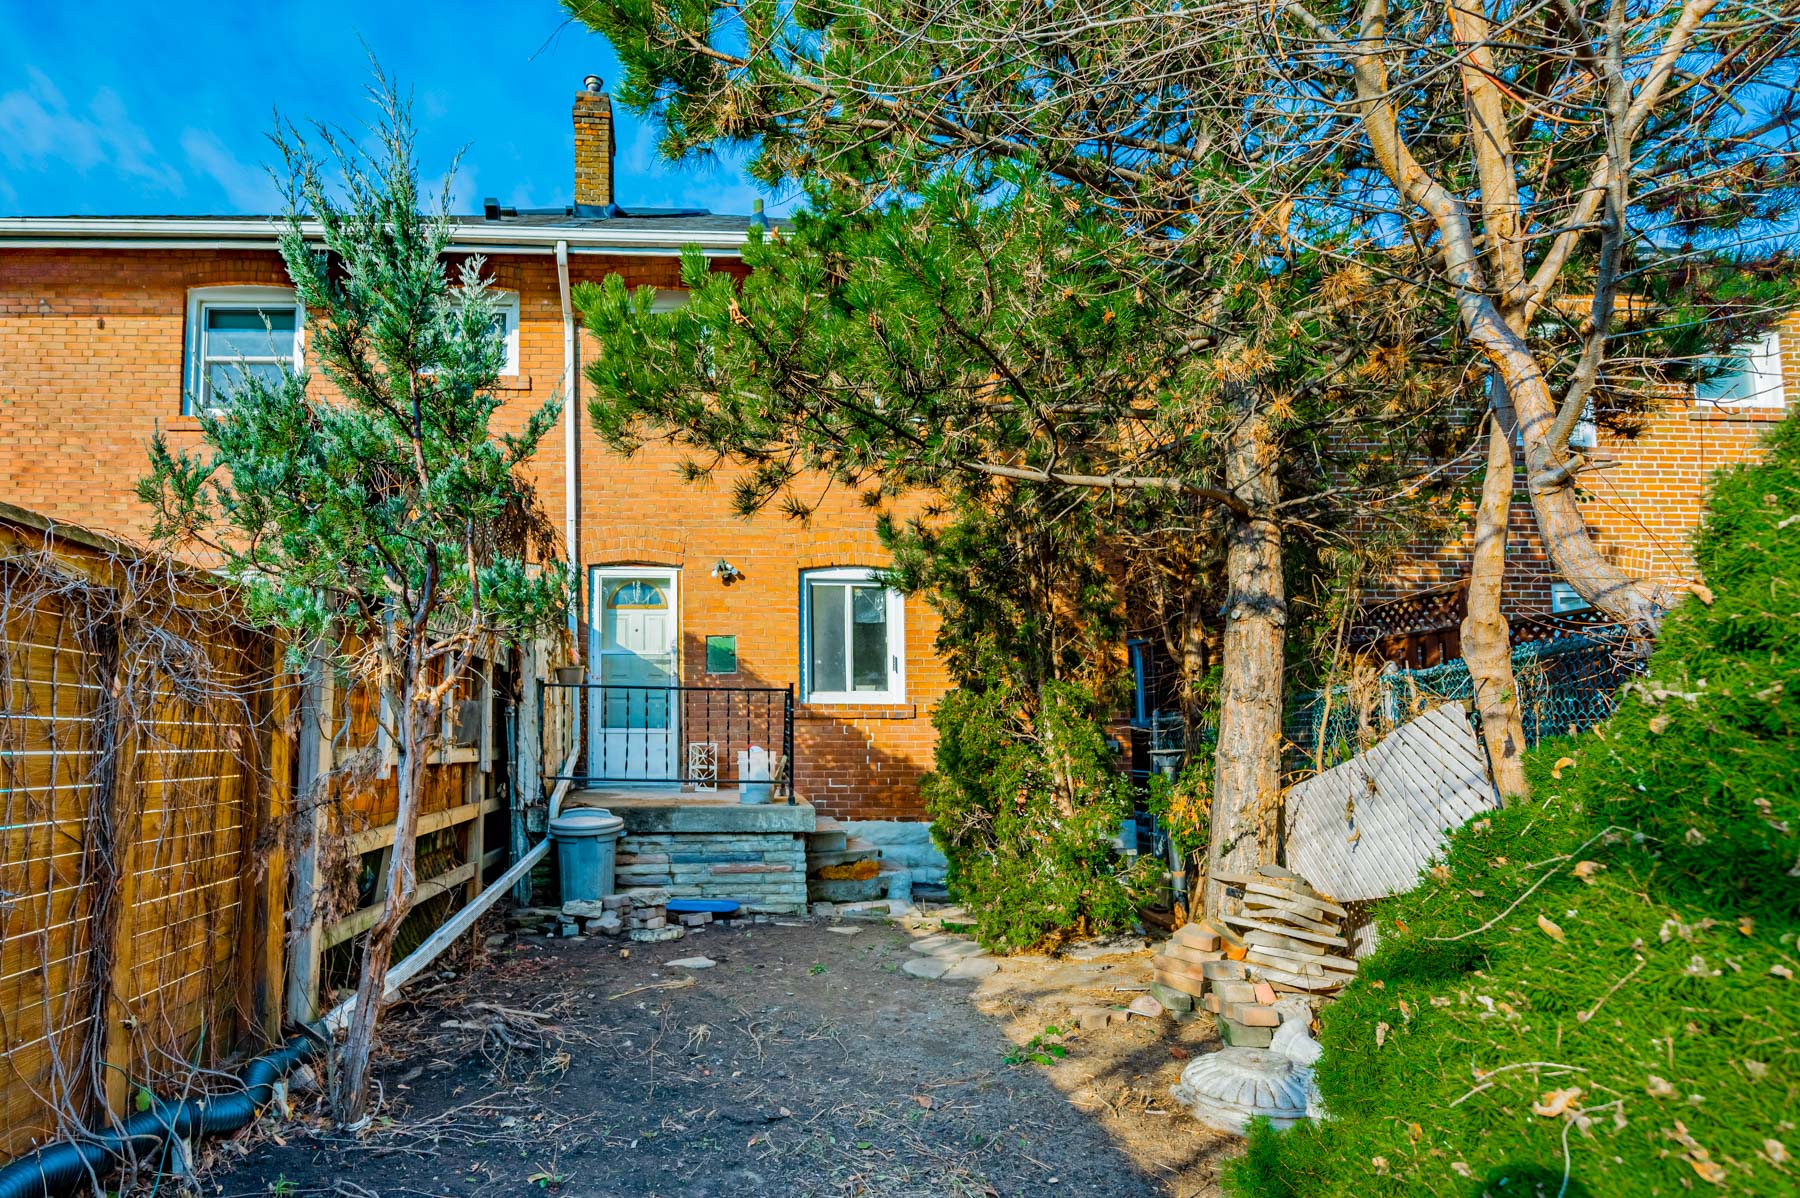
[[380, 838], [362, 920], [1292, 933], [1323, 906]]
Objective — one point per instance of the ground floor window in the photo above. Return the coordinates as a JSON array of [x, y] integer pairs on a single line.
[[852, 637]]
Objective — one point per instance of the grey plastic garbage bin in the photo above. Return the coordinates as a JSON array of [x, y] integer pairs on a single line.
[[585, 841]]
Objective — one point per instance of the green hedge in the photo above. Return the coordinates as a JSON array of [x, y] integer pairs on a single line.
[[1661, 985]]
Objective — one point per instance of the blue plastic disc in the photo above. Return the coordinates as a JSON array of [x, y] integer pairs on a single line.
[[711, 906]]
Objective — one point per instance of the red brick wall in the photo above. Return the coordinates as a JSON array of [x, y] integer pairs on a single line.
[[92, 349], [1642, 513]]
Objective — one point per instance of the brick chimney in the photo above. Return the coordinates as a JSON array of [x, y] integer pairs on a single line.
[[594, 151]]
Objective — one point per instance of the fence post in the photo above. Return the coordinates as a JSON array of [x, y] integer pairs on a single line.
[[114, 921], [271, 919], [312, 795]]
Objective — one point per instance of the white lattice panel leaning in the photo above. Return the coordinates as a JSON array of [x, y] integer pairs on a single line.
[[1366, 828]]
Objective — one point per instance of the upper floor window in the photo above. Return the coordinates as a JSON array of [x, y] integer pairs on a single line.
[[235, 334], [853, 633], [505, 308], [1748, 377]]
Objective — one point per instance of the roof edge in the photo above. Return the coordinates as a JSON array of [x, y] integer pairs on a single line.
[[260, 232]]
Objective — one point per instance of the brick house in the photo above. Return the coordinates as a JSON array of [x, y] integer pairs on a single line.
[[112, 328]]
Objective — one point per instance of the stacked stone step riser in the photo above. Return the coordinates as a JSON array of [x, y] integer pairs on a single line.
[[763, 871]]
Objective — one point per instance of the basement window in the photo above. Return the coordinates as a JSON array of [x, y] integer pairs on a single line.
[[1565, 598], [852, 633], [236, 334], [1747, 377]]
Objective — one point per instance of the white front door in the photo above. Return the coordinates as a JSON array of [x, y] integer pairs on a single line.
[[634, 710]]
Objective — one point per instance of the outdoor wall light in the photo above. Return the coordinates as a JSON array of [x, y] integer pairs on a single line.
[[726, 573]]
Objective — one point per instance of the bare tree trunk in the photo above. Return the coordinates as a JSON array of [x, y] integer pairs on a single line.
[[351, 1077], [1486, 639], [1549, 474], [1247, 765]]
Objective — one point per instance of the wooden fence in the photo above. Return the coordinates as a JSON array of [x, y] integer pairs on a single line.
[[140, 785], [191, 841]]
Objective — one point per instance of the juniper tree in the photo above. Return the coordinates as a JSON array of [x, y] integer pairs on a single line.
[[366, 504]]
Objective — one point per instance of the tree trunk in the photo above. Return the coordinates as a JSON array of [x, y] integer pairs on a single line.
[[1247, 763], [1194, 665], [1486, 640], [351, 1080]]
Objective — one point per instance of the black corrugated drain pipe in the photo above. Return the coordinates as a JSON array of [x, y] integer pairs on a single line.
[[59, 1169]]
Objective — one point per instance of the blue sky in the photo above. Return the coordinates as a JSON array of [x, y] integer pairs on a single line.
[[150, 108]]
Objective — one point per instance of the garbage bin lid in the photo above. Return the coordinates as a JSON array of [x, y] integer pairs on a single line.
[[586, 821]]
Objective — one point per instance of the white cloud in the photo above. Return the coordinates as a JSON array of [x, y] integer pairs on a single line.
[[463, 194], [247, 188], [39, 130]]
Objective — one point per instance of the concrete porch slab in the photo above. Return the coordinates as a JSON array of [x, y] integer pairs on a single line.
[[650, 811]]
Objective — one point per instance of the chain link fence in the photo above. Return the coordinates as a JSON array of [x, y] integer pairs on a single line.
[[1566, 685]]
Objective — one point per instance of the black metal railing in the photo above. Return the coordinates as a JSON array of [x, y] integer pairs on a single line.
[[686, 735]]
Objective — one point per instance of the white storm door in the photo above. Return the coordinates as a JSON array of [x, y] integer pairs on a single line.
[[634, 708]]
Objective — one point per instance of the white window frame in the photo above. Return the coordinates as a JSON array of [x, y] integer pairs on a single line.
[[1763, 358], [669, 299], [505, 305], [1565, 598], [896, 622], [200, 299]]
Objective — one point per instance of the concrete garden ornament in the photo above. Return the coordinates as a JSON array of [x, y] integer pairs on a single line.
[[1228, 1088]]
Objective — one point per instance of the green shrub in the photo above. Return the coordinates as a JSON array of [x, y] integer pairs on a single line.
[[1659, 984], [1025, 803]]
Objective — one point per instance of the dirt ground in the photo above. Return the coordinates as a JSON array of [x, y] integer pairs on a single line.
[[803, 1063]]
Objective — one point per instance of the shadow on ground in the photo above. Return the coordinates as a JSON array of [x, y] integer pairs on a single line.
[[803, 1063]]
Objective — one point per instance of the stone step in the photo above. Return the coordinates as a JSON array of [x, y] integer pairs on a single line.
[[827, 837], [855, 849]]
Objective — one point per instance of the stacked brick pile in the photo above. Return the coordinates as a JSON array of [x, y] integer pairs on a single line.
[[1285, 941], [1205, 962], [649, 918]]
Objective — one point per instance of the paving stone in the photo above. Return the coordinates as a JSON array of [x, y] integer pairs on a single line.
[[693, 963], [927, 967], [971, 968], [948, 947], [844, 931], [584, 908], [1092, 1019]]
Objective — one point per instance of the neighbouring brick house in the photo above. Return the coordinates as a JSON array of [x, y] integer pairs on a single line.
[[1642, 512], [113, 328]]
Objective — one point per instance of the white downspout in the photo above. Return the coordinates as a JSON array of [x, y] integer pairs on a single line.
[[571, 389]]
